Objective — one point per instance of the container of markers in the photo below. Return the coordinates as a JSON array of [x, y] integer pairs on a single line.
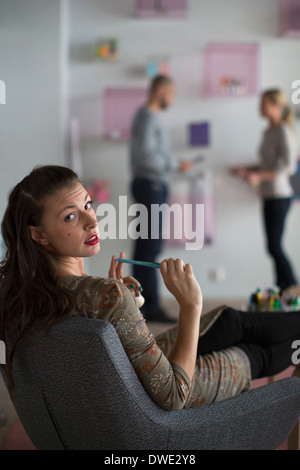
[[271, 301]]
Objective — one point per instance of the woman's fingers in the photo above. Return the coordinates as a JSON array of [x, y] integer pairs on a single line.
[[172, 266], [163, 266], [116, 272], [179, 265], [180, 281], [133, 284], [119, 269], [116, 268], [112, 268], [188, 268]]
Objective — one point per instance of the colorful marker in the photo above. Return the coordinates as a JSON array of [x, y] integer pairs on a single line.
[[139, 263]]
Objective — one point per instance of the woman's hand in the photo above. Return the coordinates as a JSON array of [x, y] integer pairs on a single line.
[[181, 282], [116, 272], [254, 178], [240, 171], [253, 175]]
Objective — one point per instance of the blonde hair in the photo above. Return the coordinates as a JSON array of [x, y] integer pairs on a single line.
[[278, 97]]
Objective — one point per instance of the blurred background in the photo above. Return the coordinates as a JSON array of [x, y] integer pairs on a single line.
[[75, 70]]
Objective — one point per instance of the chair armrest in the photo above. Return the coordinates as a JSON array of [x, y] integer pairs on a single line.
[[294, 437], [259, 419]]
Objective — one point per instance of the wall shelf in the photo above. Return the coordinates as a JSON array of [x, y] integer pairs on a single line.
[[230, 69], [289, 14], [120, 105], [160, 8]]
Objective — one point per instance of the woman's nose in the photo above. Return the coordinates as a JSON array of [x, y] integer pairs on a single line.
[[91, 220]]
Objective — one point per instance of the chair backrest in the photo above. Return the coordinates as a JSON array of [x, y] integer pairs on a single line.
[[78, 390]]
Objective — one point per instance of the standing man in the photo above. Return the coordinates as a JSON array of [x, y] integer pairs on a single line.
[[152, 167]]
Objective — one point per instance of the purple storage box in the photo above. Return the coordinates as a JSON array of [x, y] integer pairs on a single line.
[[199, 134]]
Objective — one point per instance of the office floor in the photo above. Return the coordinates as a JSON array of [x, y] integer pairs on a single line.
[[156, 328]]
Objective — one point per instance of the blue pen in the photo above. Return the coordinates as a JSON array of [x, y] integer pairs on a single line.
[[139, 263]]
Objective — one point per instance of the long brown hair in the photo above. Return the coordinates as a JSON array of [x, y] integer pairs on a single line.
[[30, 295]]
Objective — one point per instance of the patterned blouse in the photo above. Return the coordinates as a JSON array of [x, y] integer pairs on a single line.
[[217, 376]]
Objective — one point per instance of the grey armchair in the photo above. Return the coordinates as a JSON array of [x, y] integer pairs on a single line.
[[79, 391]]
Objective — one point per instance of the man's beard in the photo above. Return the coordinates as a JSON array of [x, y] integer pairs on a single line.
[[163, 103]]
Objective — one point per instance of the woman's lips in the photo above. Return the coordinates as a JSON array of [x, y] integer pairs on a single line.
[[93, 240]]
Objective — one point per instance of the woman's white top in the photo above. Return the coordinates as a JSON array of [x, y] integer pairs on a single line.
[[278, 152]]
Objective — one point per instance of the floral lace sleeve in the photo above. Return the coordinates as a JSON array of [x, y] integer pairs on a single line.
[[109, 299]]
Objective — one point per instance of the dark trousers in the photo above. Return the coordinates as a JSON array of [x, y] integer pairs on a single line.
[[147, 193], [266, 338], [274, 213]]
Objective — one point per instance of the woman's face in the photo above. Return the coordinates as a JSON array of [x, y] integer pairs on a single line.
[[269, 109], [69, 226]]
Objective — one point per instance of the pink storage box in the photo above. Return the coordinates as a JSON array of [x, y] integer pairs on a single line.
[[289, 18], [120, 105], [231, 69]]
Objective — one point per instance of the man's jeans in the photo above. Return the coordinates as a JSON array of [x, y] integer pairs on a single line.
[[147, 192]]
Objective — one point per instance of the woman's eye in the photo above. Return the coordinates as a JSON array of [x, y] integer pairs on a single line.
[[69, 217], [88, 205]]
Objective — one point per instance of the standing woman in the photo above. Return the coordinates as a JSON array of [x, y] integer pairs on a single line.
[[272, 178]]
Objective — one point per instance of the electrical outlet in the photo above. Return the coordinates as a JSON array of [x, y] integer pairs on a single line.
[[217, 274]]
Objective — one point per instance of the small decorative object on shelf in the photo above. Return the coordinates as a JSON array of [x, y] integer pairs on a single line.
[[107, 50], [231, 86], [98, 190], [199, 134], [289, 16], [157, 66], [230, 69], [120, 105], [161, 8]]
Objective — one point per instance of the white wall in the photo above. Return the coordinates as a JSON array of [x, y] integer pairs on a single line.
[[33, 38], [31, 130]]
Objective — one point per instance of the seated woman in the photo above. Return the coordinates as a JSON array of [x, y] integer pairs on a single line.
[[49, 227]]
